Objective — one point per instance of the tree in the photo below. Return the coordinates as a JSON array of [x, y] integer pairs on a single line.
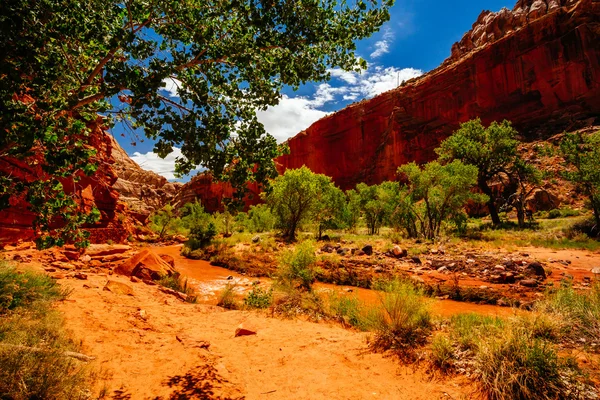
[[162, 219], [296, 197], [330, 208], [260, 218], [524, 179], [493, 150], [352, 209], [65, 62], [582, 154], [200, 223], [376, 203], [439, 193]]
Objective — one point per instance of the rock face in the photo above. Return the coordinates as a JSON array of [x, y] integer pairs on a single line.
[[95, 191], [537, 66], [143, 191]]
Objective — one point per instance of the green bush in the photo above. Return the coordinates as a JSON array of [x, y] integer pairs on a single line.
[[228, 298], [296, 268], [442, 352], [259, 298], [467, 329], [260, 219], [404, 320], [552, 214], [351, 311], [23, 288]]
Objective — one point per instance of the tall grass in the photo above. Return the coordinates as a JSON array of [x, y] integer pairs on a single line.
[[33, 341], [180, 284], [404, 320]]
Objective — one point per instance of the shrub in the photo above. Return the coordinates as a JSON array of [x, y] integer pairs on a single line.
[[404, 320], [180, 284], [201, 226], [442, 352], [351, 311], [467, 329], [552, 214], [227, 298], [260, 219], [296, 267], [516, 366], [259, 298], [33, 341]]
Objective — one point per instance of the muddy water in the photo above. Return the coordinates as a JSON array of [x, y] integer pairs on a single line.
[[209, 280]]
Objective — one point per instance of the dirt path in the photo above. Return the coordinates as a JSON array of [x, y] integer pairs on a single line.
[[175, 350]]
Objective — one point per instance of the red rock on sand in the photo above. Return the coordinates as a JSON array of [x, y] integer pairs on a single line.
[[145, 265]]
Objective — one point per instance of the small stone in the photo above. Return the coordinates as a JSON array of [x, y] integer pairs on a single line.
[[245, 330], [500, 268], [256, 239], [416, 260], [596, 270], [143, 315], [442, 269], [368, 249], [118, 288], [80, 275], [134, 279], [58, 276], [470, 261], [378, 269], [230, 277], [528, 282]]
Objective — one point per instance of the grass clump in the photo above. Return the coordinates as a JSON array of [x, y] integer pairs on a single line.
[[442, 352], [179, 284], [228, 298], [350, 311], [404, 321], [468, 329], [259, 298], [33, 341], [518, 366], [296, 268]]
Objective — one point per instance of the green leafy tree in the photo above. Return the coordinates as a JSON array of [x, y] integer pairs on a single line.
[[200, 223], [582, 154], [297, 197], [260, 218], [64, 62], [438, 193], [352, 209], [524, 179], [376, 203], [163, 219], [330, 208], [493, 150]]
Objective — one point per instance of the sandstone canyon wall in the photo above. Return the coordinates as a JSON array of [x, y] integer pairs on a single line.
[[537, 66], [96, 191]]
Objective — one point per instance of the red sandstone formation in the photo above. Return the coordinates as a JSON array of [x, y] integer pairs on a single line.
[[97, 190], [537, 66], [143, 191]]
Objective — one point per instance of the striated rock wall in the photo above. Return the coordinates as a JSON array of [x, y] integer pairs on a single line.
[[97, 190], [541, 72], [143, 191]]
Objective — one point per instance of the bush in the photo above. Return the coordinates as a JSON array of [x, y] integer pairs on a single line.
[[516, 366], [467, 329], [442, 352], [552, 214], [259, 298], [260, 219], [227, 298], [33, 341], [296, 267], [180, 284], [351, 311], [404, 320]]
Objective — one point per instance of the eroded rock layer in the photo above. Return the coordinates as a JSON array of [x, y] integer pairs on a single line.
[[541, 72], [96, 191], [143, 191]]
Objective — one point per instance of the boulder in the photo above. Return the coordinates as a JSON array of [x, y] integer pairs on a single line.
[[118, 288], [368, 249], [145, 265], [100, 250], [168, 259], [528, 283], [535, 269], [245, 330], [399, 252]]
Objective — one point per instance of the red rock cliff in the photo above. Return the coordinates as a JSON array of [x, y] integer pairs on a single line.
[[97, 190], [537, 66]]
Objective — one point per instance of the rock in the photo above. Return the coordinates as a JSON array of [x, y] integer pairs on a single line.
[[245, 330], [85, 258], [470, 261], [256, 239], [143, 315], [113, 258], [62, 265], [118, 288], [528, 282], [368, 250], [58, 276], [416, 260], [442, 269], [535, 269], [500, 268], [145, 265], [180, 238], [360, 253], [399, 252], [101, 250], [596, 270], [378, 269], [327, 248], [71, 255], [134, 279], [342, 251], [80, 275], [168, 259]]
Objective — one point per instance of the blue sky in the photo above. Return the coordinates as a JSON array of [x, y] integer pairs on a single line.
[[417, 39]]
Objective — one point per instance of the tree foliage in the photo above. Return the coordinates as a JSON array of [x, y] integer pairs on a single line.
[[582, 154], [65, 62], [300, 196], [376, 203], [200, 223], [260, 218], [438, 193], [493, 150]]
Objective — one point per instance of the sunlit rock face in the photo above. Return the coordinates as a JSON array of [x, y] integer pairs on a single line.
[[537, 66]]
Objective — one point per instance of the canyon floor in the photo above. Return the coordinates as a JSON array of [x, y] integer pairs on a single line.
[[149, 344]]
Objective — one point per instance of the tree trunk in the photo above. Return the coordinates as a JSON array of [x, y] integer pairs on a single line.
[[491, 204], [521, 215]]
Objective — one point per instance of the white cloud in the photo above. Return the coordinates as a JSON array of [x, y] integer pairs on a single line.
[[171, 86], [162, 166], [294, 114], [383, 46], [290, 116]]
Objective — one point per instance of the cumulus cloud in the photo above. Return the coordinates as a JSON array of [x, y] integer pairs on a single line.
[[383, 46], [294, 114], [171, 86], [162, 166]]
